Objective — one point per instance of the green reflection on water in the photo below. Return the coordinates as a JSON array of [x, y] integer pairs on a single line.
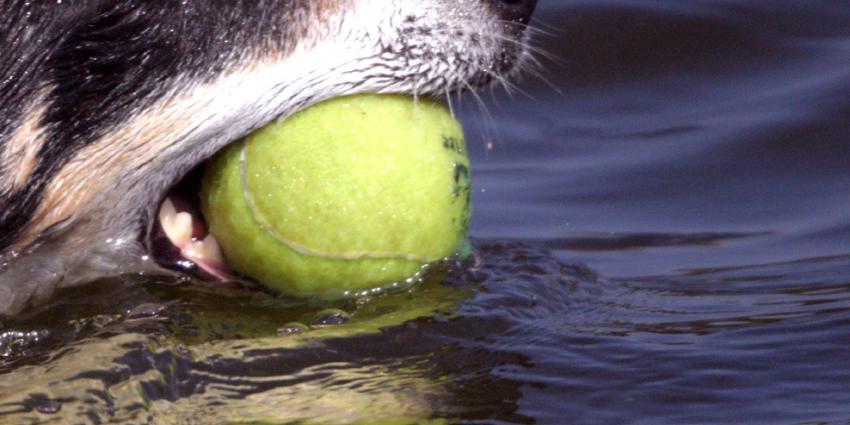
[[200, 330]]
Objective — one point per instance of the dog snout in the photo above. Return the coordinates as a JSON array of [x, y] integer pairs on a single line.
[[518, 11]]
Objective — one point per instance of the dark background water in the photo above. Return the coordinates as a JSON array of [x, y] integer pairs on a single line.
[[687, 134], [661, 232], [698, 156]]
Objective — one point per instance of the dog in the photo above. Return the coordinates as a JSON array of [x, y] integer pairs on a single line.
[[105, 105]]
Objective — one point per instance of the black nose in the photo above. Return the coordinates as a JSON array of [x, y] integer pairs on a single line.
[[514, 10]]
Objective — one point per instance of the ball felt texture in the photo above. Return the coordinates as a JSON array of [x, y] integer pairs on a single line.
[[348, 195]]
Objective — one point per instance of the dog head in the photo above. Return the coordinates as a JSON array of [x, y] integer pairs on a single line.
[[112, 102]]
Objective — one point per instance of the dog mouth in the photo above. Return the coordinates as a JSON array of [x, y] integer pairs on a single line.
[[179, 239]]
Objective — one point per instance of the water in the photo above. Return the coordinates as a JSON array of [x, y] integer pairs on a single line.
[[661, 237]]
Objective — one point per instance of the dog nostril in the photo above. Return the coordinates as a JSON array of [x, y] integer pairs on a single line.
[[514, 10]]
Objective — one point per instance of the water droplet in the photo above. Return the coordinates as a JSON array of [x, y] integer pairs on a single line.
[[49, 406], [329, 317], [292, 328]]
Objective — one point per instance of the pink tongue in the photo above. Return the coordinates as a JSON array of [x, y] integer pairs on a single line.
[[187, 234]]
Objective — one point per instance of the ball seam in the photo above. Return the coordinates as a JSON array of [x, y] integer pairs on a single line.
[[257, 215]]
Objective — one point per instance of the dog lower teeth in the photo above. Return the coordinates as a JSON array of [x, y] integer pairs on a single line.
[[188, 248]]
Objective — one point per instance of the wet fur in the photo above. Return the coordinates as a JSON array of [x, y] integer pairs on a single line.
[[105, 104]]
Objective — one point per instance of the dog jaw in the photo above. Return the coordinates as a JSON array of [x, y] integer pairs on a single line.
[[96, 207]]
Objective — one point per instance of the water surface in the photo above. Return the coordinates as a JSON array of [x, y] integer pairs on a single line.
[[661, 236]]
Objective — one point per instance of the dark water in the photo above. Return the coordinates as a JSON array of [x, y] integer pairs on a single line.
[[661, 236]]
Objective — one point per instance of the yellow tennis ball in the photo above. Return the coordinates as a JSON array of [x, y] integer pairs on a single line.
[[346, 196]]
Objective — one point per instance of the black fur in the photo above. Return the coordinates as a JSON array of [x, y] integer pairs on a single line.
[[103, 60]]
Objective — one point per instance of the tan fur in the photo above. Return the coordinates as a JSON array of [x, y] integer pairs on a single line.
[[99, 166], [22, 147], [127, 151]]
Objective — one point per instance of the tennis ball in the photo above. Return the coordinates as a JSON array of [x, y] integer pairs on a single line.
[[352, 194]]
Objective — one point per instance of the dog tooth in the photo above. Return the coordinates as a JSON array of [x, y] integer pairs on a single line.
[[177, 226], [166, 213], [212, 250], [206, 251], [182, 230]]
